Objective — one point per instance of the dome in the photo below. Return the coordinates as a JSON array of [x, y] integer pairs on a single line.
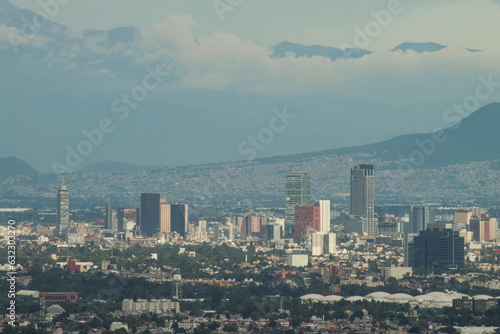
[[380, 300], [332, 298], [424, 298], [378, 294], [355, 299], [446, 300], [482, 297], [435, 294], [312, 297], [400, 297]]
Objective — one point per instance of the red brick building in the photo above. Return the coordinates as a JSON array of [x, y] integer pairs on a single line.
[[306, 216]]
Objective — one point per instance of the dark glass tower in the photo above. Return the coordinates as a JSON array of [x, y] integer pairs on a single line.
[[179, 218], [150, 213]]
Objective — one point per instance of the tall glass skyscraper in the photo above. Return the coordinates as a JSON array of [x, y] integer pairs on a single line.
[[179, 218], [62, 208], [297, 193], [362, 191], [150, 213], [363, 198]]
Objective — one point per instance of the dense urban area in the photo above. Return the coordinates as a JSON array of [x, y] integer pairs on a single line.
[[307, 266]]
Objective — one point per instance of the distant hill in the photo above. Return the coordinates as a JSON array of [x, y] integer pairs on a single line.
[[12, 166], [282, 49], [473, 139], [419, 47], [110, 167]]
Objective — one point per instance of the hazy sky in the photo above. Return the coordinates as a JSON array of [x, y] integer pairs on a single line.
[[225, 82], [472, 24]]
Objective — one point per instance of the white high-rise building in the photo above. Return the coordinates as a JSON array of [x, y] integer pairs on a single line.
[[62, 208], [324, 213], [323, 243]]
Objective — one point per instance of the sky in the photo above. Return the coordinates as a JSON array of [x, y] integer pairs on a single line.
[[324, 22], [223, 85]]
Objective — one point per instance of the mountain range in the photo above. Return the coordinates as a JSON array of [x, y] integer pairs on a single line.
[[62, 81], [467, 141]]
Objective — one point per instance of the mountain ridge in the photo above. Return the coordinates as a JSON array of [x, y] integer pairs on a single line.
[[458, 143]]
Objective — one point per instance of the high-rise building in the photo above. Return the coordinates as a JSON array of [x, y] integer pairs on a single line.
[[462, 217], [150, 213], [408, 249], [62, 208], [324, 208], [109, 217], [165, 218], [127, 216], [362, 191], [363, 199], [179, 219], [323, 243], [439, 248], [297, 193], [250, 227], [484, 228], [306, 216], [421, 218]]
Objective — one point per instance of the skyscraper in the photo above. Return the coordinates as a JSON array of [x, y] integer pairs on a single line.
[[150, 213], [297, 193], [439, 248], [306, 216], [62, 208], [363, 199], [420, 218], [126, 216], [109, 217], [324, 208], [362, 191], [179, 218], [165, 218]]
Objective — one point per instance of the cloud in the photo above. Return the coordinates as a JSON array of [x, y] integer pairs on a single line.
[[223, 61]]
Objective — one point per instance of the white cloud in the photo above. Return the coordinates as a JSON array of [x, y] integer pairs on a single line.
[[224, 61]]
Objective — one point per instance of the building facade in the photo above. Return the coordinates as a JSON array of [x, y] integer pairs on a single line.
[[306, 216], [297, 193], [438, 249], [179, 219], [150, 213], [363, 200], [62, 209]]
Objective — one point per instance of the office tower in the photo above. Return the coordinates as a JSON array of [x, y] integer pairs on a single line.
[[109, 218], [230, 231], [362, 191], [323, 243], [297, 193], [363, 200], [306, 216], [250, 227], [324, 208], [165, 217], [127, 216], [62, 208], [420, 218], [462, 217], [150, 213], [179, 219], [361, 225], [201, 230], [408, 249], [272, 231], [439, 248], [484, 228]]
